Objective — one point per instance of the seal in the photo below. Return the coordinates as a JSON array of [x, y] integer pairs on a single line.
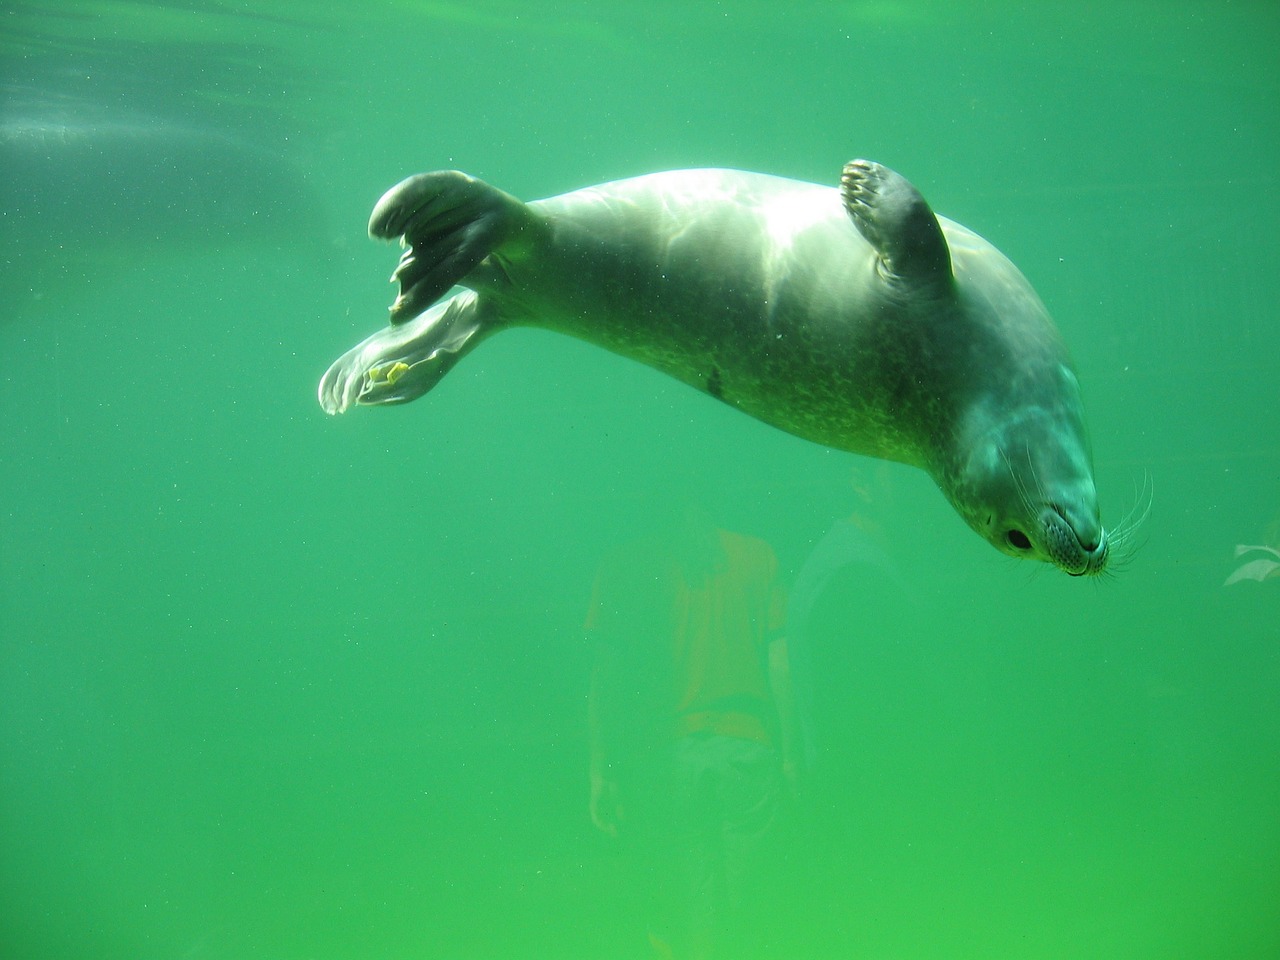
[[852, 317]]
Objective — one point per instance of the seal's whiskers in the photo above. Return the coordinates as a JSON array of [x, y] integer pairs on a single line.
[[1122, 538], [1138, 513], [1031, 466], [1017, 482]]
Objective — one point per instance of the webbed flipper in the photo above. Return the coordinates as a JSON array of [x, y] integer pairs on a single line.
[[402, 362], [897, 221], [449, 222]]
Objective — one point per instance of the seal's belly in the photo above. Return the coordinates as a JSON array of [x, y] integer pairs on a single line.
[[764, 296]]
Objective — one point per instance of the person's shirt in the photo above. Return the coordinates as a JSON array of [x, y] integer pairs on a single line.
[[682, 628]]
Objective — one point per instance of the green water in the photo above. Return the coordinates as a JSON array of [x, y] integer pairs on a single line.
[[277, 685]]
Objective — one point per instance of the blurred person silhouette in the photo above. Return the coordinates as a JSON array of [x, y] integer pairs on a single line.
[[847, 590], [690, 727], [856, 646]]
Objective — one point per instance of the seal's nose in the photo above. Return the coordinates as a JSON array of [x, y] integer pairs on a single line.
[[1095, 559], [1084, 524], [1074, 540]]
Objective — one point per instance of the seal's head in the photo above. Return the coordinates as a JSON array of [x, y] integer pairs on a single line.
[[1026, 482], [977, 372]]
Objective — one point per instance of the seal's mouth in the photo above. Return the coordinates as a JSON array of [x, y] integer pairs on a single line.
[[1079, 549]]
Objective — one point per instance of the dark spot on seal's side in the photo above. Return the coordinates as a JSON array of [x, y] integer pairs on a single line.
[[714, 386]]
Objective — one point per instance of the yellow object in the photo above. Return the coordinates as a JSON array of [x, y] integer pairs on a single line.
[[390, 374]]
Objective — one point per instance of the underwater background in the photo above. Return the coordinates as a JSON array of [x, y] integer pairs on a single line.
[[280, 685]]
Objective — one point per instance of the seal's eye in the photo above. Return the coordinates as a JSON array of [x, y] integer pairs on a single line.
[[1018, 540]]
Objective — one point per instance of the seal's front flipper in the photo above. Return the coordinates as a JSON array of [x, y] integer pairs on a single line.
[[449, 222], [401, 363], [894, 218]]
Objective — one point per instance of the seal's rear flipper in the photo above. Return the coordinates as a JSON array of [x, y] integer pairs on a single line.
[[894, 218], [401, 363], [449, 222]]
